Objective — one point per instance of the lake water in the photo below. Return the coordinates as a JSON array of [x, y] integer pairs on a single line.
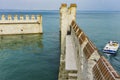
[[102, 27], [32, 57], [36, 57]]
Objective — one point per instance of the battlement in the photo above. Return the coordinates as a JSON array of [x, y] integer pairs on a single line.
[[20, 24], [20, 18]]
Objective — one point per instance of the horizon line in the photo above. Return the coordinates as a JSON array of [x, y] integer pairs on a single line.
[[58, 10]]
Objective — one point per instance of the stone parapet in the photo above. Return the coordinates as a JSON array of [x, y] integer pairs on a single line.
[[19, 17], [20, 24], [80, 59], [65, 19]]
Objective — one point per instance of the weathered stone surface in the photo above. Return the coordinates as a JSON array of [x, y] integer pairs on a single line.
[[20, 25], [70, 56]]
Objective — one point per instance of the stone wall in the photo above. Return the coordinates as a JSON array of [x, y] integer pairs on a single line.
[[66, 17], [80, 59], [20, 24]]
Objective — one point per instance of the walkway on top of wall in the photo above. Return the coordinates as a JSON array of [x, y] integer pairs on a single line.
[[70, 57], [70, 66]]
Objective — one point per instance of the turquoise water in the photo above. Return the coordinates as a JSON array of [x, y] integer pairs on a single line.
[[102, 27], [36, 57], [31, 57]]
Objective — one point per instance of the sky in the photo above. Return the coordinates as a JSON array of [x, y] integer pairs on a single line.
[[83, 5]]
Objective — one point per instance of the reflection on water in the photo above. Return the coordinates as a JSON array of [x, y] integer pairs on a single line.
[[18, 41], [20, 56]]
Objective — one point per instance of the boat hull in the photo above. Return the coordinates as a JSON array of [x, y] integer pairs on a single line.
[[111, 47], [110, 51]]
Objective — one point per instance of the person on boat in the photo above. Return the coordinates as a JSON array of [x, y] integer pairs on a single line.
[[110, 43]]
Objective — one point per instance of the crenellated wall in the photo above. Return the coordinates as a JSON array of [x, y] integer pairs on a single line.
[[80, 59], [66, 17], [20, 24]]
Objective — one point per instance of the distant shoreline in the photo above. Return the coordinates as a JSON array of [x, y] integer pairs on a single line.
[[56, 11]]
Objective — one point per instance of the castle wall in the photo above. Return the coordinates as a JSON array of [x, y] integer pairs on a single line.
[[14, 24], [80, 59], [66, 17]]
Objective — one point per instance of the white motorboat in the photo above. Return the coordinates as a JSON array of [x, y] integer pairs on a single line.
[[111, 47]]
